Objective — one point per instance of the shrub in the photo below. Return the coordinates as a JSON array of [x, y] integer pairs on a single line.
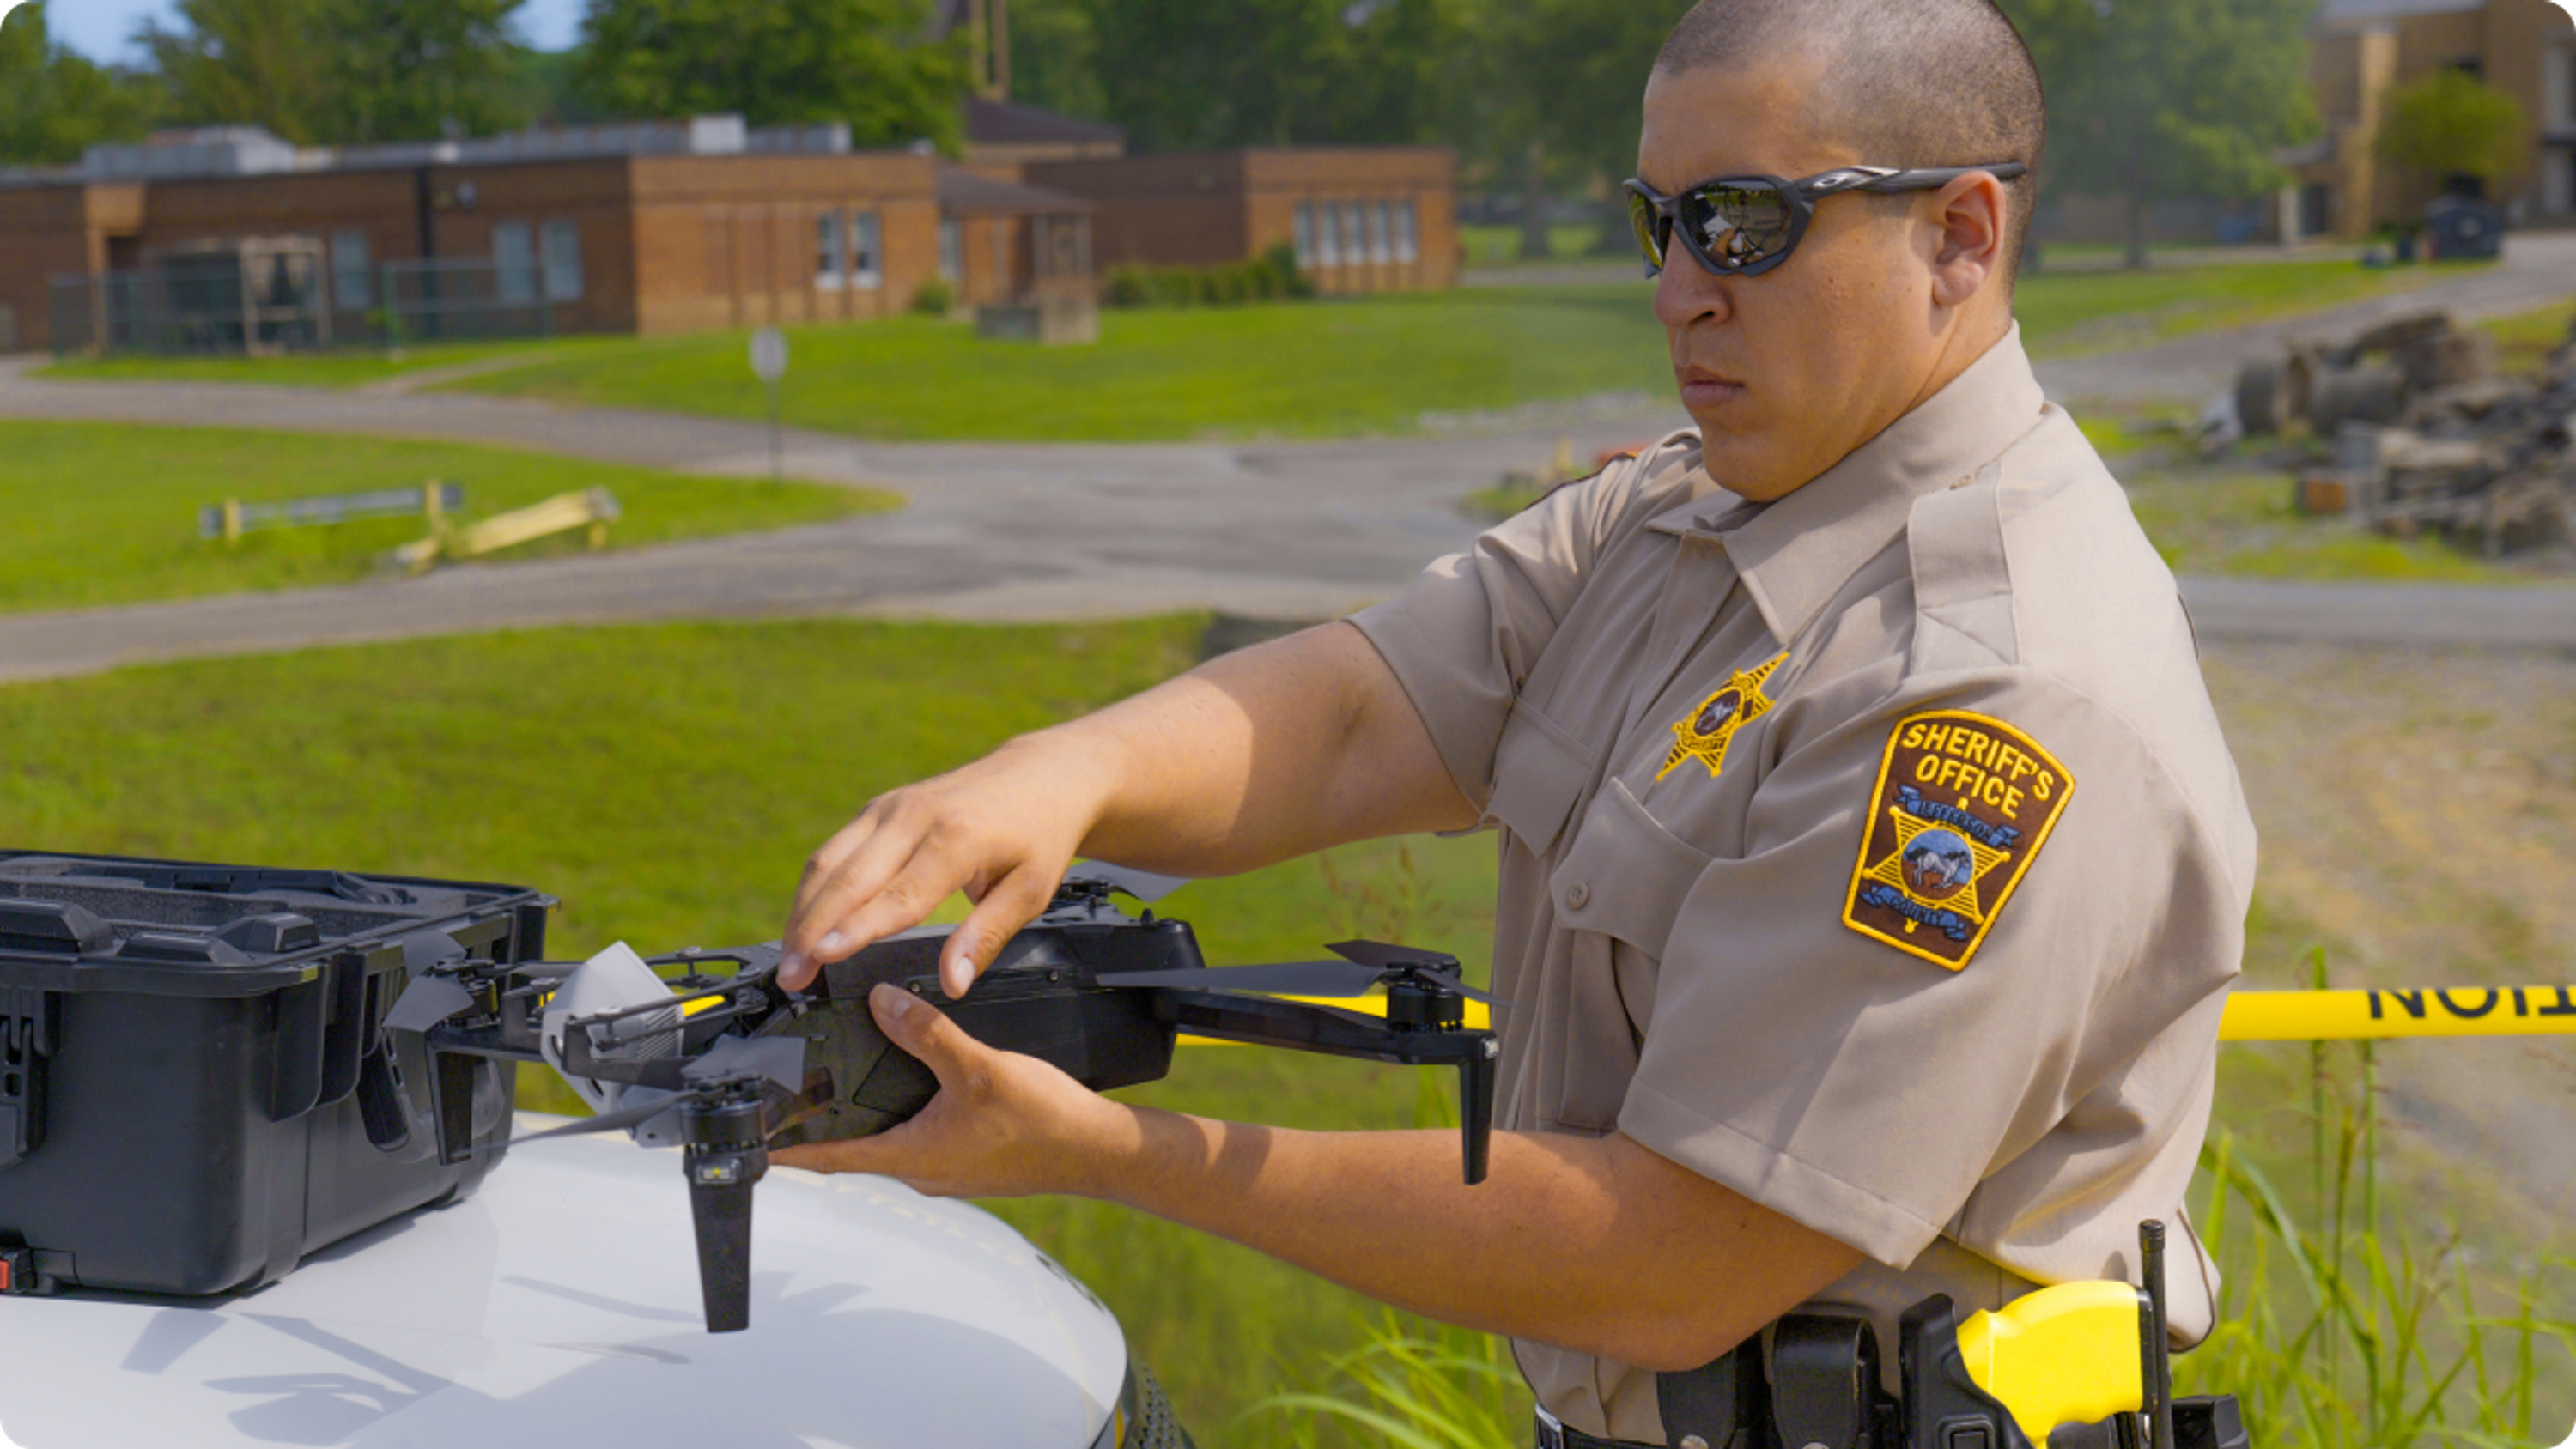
[[1272, 276], [934, 298]]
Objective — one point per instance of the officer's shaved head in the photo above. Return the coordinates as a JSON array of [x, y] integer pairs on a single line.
[[1903, 82]]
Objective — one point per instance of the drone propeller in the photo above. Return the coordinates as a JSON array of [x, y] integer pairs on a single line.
[[1352, 976], [1433, 966], [778, 1059], [620, 1120], [1145, 886], [431, 1000]]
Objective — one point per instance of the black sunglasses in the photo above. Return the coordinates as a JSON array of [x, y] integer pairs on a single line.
[[1743, 226]]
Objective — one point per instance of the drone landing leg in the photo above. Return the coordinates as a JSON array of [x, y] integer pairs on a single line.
[[1476, 1110], [722, 1211], [724, 1159]]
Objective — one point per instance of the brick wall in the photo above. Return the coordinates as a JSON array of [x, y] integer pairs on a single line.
[[734, 241], [1216, 208]]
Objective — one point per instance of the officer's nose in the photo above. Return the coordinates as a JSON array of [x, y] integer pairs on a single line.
[[1686, 293]]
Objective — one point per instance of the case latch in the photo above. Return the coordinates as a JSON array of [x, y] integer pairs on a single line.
[[28, 1025]]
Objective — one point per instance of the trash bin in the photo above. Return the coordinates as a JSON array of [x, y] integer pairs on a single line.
[[2463, 228]]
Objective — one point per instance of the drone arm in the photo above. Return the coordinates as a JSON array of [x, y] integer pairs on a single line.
[[1300, 1026]]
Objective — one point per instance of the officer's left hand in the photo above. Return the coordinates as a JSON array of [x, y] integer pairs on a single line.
[[1001, 1125]]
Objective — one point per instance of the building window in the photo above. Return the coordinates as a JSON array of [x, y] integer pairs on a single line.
[[353, 274], [864, 262], [563, 261], [514, 262], [827, 251], [1354, 234], [1408, 234], [1328, 243], [1381, 233], [1062, 244], [952, 251], [1305, 233]]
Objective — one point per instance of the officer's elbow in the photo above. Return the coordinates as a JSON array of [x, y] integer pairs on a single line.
[[1675, 1342]]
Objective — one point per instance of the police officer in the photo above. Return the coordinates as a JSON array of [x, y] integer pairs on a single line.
[[1872, 865]]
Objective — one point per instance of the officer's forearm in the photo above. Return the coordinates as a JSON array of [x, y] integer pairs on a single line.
[[1598, 1246], [1264, 755]]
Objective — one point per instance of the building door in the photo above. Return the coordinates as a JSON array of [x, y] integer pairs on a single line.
[[2316, 210]]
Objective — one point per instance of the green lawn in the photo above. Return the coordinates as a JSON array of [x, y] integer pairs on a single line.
[[345, 367], [108, 513], [2523, 343], [2066, 313], [1328, 369], [1318, 370], [2232, 522], [1500, 246]]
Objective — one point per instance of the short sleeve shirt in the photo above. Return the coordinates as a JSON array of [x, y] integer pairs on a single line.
[[1874, 853]]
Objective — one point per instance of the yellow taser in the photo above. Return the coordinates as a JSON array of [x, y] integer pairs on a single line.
[[2072, 1354]]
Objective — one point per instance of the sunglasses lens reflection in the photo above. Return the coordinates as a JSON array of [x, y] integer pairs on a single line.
[[1736, 226], [1648, 227]]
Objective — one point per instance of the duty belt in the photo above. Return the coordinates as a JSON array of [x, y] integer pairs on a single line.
[[1818, 1387]]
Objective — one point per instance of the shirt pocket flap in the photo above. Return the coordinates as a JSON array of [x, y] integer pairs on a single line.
[[1540, 771], [1625, 875]]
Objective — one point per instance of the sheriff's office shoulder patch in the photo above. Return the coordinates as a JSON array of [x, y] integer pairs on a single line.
[[1962, 807], [1704, 735]]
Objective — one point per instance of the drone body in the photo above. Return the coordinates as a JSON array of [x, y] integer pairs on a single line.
[[728, 1066]]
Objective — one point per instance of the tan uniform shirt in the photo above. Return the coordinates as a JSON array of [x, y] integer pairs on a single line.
[[1874, 853]]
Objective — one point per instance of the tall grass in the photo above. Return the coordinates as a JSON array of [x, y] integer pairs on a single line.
[[2342, 1327]]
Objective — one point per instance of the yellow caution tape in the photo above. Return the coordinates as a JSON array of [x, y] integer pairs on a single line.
[[2363, 1015], [2301, 1015]]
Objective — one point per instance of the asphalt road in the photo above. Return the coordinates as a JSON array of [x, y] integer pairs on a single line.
[[1004, 532]]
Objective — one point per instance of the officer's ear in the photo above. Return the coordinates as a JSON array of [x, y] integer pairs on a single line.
[[1970, 221]]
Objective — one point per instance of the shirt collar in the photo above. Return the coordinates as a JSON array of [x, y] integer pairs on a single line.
[[1796, 553]]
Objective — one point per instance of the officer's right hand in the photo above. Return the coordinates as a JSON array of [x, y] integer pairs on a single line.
[[1002, 830]]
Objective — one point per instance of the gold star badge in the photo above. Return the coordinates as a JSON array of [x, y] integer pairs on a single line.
[[1704, 735], [1937, 866]]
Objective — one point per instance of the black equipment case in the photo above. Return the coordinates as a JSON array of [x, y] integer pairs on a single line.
[[196, 1089]]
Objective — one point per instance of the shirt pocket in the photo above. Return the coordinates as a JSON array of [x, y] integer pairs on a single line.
[[1541, 772], [1617, 890]]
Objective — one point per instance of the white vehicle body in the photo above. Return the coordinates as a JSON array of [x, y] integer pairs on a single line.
[[558, 1308]]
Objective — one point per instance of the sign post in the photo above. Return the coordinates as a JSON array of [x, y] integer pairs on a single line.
[[769, 363]]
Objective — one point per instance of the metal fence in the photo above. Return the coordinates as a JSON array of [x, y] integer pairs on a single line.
[[214, 303], [464, 299], [229, 304]]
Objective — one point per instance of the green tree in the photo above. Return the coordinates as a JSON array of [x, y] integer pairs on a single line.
[[409, 69], [2157, 99], [2452, 124], [1191, 74], [54, 103], [778, 62], [1055, 58], [1559, 88], [248, 63], [382, 70]]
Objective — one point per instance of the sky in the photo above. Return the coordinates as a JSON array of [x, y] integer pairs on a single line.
[[99, 28]]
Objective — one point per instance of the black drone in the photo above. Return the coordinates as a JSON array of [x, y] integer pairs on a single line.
[[732, 1065]]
